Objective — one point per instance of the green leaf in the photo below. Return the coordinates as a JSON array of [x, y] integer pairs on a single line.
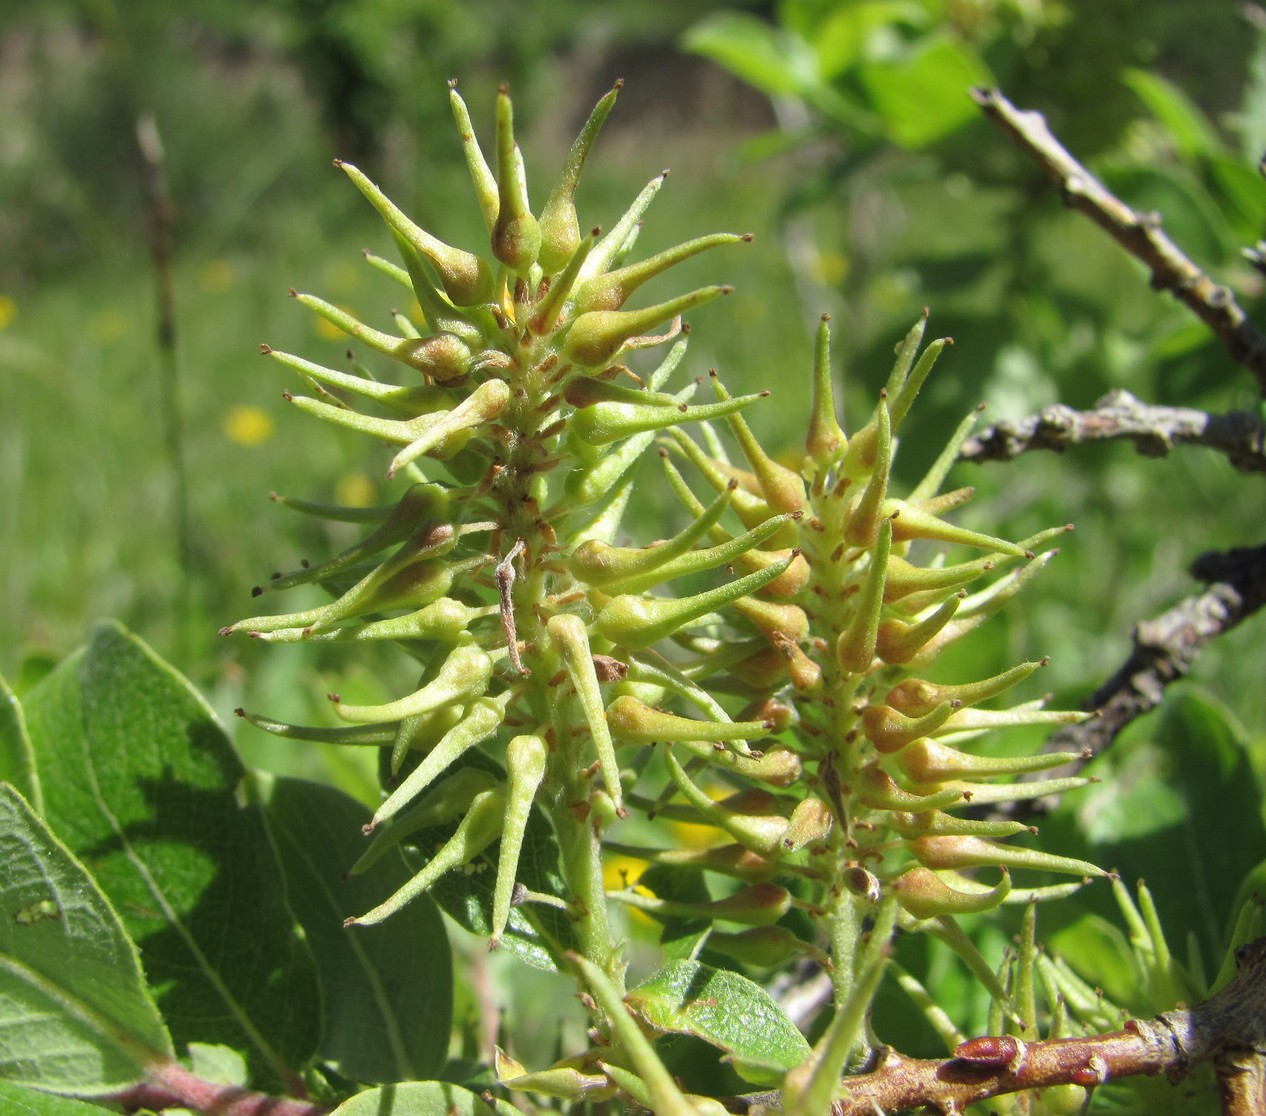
[[774, 61], [387, 991], [725, 1009], [923, 97], [1179, 806], [841, 39], [221, 1065], [17, 760], [777, 62], [76, 1016], [1101, 954], [1186, 125], [142, 783], [422, 1098], [15, 1100]]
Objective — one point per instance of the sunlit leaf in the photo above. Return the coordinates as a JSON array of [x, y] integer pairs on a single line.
[[75, 1015], [141, 782], [725, 1009], [16, 1100], [923, 96]]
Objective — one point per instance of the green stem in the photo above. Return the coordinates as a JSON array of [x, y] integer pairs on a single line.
[[580, 861], [845, 922]]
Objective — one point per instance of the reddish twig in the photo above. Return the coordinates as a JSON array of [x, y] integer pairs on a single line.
[[1139, 234], [170, 1085], [1227, 1029]]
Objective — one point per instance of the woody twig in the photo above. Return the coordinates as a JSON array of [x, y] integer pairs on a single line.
[[1140, 234], [1227, 1029]]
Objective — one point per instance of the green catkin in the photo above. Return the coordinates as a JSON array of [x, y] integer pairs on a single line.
[[570, 675]]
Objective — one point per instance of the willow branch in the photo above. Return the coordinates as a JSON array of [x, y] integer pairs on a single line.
[[1227, 1029], [1119, 416], [1164, 649], [1140, 234], [170, 1085]]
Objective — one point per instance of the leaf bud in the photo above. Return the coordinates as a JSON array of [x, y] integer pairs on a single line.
[[856, 647], [516, 235], [595, 338], [570, 636], [825, 439], [890, 731], [637, 723], [560, 228], [977, 852], [914, 697], [923, 894], [466, 279], [811, 821], [442, 356], [463, 676], [898, 642], [635, 622], [526, 757]]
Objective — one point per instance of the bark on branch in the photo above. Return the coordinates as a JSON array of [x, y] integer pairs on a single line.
[[1120, 416], [1163, 652], [1140, 234], [1228, 1029]]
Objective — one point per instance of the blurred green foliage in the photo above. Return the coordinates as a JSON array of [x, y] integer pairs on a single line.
[[874, 189], [852, 151], [907, 197]]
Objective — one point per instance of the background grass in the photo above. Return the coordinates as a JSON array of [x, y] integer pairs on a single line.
[[1039, 306]]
